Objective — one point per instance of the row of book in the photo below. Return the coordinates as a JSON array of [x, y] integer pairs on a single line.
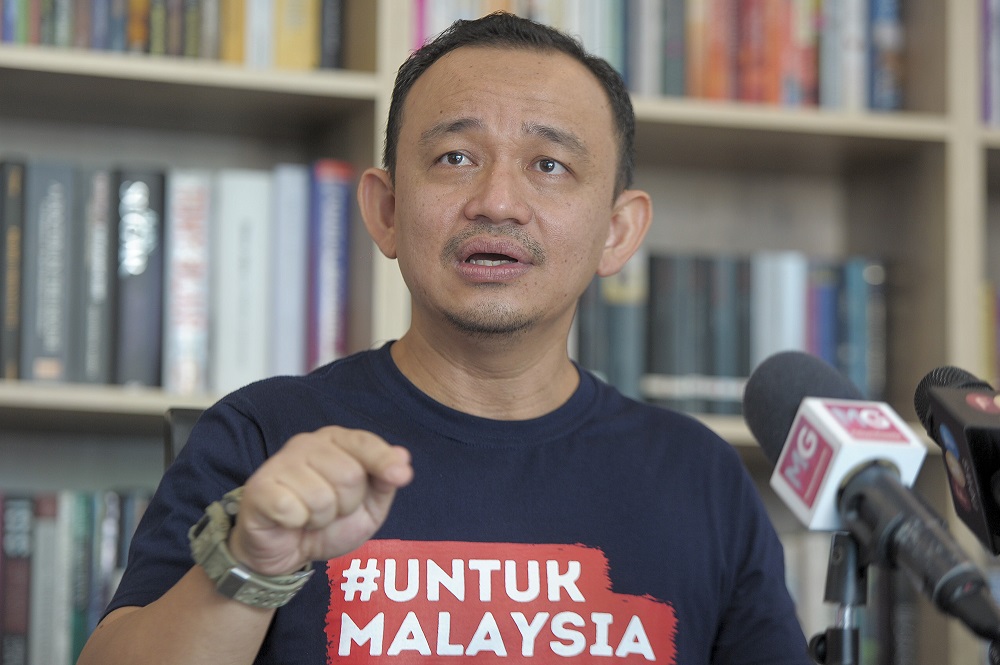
[[686, 330], [189, 279], [62, 554], [837, 54], [289, 34]]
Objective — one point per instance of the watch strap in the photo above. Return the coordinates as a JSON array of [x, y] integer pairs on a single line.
[[208, 539]]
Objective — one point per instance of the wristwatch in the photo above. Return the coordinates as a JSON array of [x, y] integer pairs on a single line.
[[208, 547]]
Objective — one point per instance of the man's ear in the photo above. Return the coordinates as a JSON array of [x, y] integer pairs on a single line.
[[630, 219], [377, 200]]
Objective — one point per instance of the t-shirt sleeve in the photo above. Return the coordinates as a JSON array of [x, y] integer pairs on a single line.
[[223, 449]]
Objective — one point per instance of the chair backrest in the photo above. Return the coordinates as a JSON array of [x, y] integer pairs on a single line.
[[177, 425]]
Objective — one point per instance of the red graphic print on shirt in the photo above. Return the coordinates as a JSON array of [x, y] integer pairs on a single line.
[[406, 602]]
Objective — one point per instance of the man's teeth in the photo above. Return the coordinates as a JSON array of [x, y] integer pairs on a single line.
[[476, 261]]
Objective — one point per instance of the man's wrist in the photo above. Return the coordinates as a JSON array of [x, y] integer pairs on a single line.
[[209, 548]]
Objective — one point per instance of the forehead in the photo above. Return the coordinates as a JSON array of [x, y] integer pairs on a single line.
[[508, 87]]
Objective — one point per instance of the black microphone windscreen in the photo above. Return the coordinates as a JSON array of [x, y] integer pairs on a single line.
[[777, 387], [942, 377]]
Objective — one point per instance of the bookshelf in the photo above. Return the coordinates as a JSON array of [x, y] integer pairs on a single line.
[[920, 187]]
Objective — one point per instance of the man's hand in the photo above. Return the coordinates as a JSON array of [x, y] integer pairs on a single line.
[[322, 495]]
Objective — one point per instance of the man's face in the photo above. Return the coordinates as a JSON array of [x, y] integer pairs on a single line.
[[504, 188]]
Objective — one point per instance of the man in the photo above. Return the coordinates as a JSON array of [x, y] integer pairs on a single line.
[[466, 493]]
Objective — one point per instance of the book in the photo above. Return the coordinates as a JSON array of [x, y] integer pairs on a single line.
[[187, 266], [11, 241], [885, 59], [137, 27], [157, 44], [728, 333], [100, 24], [232, 30], [677, 338], [137, 197], [645, 50], [591, 333], [92, 313], [296, 34], [674, 48], [17, 546], [854, 55], [81, 537], [779, 286], [862, 356], [259, 43], [831, 60], [290, 260], [104, 555], [118, 25], [208, 46], [49, 252], [241, 275], [332, 201], [191, 28], [50, 620], [331, 34], [823, 304], [624, 303]]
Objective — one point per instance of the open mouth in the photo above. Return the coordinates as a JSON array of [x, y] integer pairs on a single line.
[[491, 260]]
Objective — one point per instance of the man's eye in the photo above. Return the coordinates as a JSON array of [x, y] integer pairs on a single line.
[[550, 166], [454, 158]]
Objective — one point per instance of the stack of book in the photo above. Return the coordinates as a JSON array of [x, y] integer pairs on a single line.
[[837, 54], [61, 557], [284, 34], [692, 327], [187, 279]]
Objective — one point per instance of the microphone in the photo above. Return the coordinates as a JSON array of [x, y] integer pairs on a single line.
[[843, 463], [961, 414]]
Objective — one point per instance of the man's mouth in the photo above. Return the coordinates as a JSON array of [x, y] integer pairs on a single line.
[[490, 260]]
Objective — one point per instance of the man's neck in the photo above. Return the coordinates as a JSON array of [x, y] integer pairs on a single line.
[[496, 379]]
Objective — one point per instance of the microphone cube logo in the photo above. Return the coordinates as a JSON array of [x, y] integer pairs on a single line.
[[866, 422], [804, 464]]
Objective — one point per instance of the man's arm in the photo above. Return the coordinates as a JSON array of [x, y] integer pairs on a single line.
[[322, 495]]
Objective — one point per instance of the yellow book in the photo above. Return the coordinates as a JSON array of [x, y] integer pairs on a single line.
[[232, 30], [296, 34]]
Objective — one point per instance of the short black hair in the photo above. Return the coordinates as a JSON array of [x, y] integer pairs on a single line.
[[507, 30]]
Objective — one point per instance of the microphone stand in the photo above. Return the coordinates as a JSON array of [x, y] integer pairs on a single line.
[[846, 585]]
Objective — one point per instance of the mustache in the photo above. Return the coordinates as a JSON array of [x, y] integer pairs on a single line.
[[508, 230]]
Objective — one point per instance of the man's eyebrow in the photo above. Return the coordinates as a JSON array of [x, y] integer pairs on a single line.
[[449, 127], [566, 139]]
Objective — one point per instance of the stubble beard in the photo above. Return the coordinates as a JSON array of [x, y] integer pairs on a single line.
[[494, 320]]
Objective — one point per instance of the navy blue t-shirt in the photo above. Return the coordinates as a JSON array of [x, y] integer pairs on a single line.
[[605, 531]]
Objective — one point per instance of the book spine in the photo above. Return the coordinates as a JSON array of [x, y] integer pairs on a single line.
[[11, 240], [332, 197], [157, 39], [49, 622], [104, 557], [191, 28], [175, 28], [885, 81], [118, 25], [831, 63], [138, 215], [208, 48], [17, 544], [625, 296], [232, 30], [137, 29], [49, 250], [259, 29], [674, 48], [81, 536], [80, 22], [241, 277], [186, 267], [93, 315], [296, 34], [290, 241], [100, 23]]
